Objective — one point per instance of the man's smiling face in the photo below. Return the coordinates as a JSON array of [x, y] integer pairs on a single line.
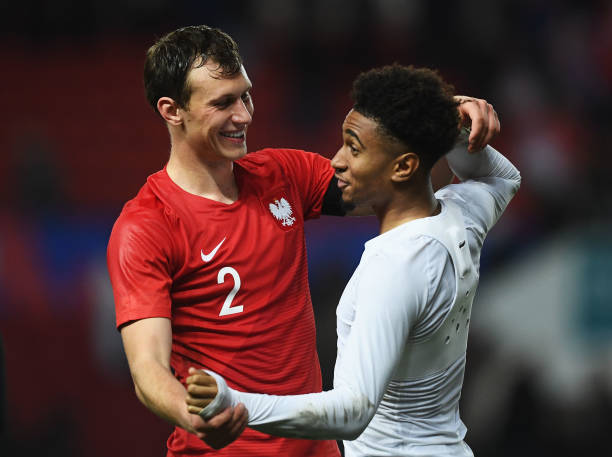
[[219, 111], [364, 163]]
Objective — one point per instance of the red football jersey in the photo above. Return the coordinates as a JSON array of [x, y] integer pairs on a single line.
[[233, 280]]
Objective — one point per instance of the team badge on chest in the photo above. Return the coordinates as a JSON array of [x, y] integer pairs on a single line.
[[282, 212]]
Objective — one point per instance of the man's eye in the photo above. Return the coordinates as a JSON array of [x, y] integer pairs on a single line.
[[246, 96], [223, 104], [353, 149]]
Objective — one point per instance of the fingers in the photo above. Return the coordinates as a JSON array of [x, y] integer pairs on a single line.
[[494, 125], [484, 121], [200, 385], [241, 410], [198, 391], [239, 419], [219, 424], [201, 378], [201, 390], [197, 402], [480, 124], [234, 426], [194, 409], [221, 420], [223, 428]]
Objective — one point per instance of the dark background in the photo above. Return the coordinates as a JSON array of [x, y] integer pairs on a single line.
[[78, 139]]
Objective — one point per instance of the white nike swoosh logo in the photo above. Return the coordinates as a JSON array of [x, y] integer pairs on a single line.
[[209, 257]]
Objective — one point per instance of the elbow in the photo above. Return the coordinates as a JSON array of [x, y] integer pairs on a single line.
[[139, 390], [517, 182], [140, 394], [513, 183], [357, 420], [351, 436], [355, 429]]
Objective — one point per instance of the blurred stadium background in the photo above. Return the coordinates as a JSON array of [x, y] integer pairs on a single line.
[[78, 140]]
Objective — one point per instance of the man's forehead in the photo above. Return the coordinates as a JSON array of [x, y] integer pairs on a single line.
[[368, 131], [210, 77], [357, 121], [212, 69]]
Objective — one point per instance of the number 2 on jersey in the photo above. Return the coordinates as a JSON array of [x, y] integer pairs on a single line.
[[227, 304]]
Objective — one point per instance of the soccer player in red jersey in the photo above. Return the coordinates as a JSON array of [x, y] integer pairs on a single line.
[[208, 261]]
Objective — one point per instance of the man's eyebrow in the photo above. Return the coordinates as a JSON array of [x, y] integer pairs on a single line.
[[354, 135], [229, 96], [223, 98]]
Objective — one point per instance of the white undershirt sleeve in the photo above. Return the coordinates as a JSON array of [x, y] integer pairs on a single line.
[[489, 181], [385, 311]]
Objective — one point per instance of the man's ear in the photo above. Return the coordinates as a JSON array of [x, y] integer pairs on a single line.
[[405, 166], [169, 110]]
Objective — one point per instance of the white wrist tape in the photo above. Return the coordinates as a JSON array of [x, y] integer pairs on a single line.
[[221, 401]]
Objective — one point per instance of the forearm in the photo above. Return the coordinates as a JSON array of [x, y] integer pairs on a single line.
[[158, 389], [487, 163], [336, 414], [489, 181]]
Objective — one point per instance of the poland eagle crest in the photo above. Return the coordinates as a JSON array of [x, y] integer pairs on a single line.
[[282, 211]]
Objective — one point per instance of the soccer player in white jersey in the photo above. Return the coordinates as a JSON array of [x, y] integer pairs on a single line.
[[404, 316]]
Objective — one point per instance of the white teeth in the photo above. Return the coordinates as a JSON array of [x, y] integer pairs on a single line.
[[234, 134]]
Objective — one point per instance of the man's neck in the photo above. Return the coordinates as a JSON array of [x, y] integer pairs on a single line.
[[210, 179], [406, 207]]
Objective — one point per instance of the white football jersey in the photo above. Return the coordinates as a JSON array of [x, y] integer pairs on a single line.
[[402, 326]]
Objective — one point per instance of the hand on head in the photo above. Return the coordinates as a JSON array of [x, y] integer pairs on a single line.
[[482, 118]]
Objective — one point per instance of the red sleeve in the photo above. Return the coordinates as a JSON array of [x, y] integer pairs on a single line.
[[138, 258], [310, 173]]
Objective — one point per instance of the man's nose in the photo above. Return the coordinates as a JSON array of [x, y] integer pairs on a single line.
[[240, 113], [337, 161]]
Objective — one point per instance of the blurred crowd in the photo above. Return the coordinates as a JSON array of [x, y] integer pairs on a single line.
[[79, 139]]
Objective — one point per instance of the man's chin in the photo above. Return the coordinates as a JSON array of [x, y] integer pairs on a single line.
[[352, 208], [237, 153], [348, 206]]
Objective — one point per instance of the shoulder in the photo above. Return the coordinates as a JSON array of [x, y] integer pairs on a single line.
[[280, 158], [145, 218], [404, 246], [398, 280], [262, 157], [145, 208], [407, 258], [406, 255], [413, 269]]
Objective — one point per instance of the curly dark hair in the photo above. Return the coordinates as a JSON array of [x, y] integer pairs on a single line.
[[170, 59], [413, 105]]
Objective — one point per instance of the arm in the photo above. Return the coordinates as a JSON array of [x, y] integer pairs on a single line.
[[147, 344], [385, 310], [482, 119], [488, 180], [138, 256]]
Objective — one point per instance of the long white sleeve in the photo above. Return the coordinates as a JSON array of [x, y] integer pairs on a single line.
[[385, 310], [486, 168]]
